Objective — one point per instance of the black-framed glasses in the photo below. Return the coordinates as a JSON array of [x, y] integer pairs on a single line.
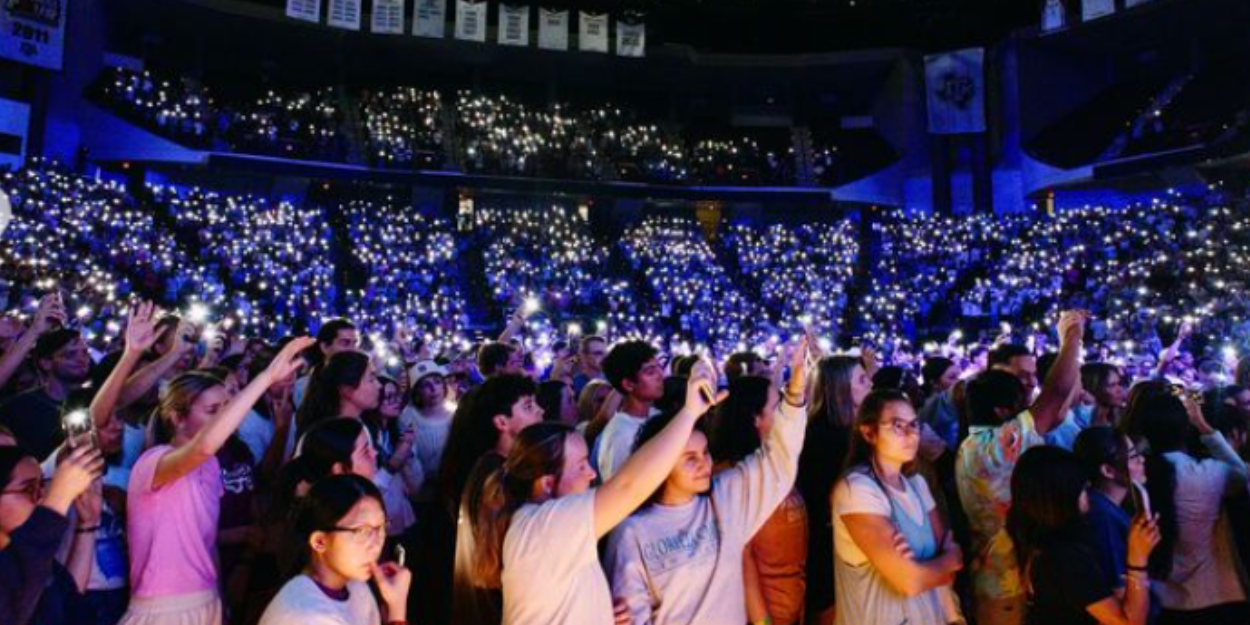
[[363, 534], [904, 428]]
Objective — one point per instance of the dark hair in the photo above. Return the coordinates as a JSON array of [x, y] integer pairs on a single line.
[[587, 340], [321, 399], [652, 428], [329, 331], [51, 342], [322, 509], [1045, 363], [1098, 446], [739, 364], [674, 396], [1003, 354], [1094, 375], [831, 393], [1164, 422], [889, 377], [1046, 488], [9, 458], [682, 365], [473, 431], [550, 397], [625, 360], [1220, 395], [732, 432], [932, 370], [860, 451], [538, 453], [1139, 399], [989, 392], [492, 357], [323, 447], [376, 423]]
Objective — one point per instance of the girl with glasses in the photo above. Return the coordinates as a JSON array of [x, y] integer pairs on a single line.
[[340, 527], [894, 558]]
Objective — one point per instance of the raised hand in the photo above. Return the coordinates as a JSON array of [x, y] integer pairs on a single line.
[[1143, 537], [1072, 324], [73, 477], [141, 328], [51, 313], [288, 361], [796, 389], [393, 582], [701, 393]]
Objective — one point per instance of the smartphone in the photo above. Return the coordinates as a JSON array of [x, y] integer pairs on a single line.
[[78, 428], [1141, 500], [401, 555]]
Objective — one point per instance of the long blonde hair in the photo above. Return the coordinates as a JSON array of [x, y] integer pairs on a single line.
[[175, 402]]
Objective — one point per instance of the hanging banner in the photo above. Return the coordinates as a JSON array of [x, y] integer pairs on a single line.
[[955, 82], [1094, 9], [307, 10], [14, 124], [344, 14], [1054, 16], [592, 32], [387, 17], [631, 39], [553, 29], [514, 25], [429, 18], [471, 20], [1128, 4], [33, 32]]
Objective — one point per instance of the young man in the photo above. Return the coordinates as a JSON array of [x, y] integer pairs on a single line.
[[500, 359], [34, 417], [590, 356], [1003, 425], [632, 369]]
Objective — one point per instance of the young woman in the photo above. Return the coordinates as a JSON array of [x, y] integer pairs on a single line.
[[429, 418], [841, 383], [894, 558], [538, 522], [1114, 468], [175, 492], [346, 385], [775, 561], [34, 586], [556, 399], [679, 559], [1062, 575], [392, 443], [591, 399], [1195, 563], [340, 526]]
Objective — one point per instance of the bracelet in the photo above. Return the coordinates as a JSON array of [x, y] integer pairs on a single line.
[[86, 530], [397, 623], [1136, 568], [786, 398]]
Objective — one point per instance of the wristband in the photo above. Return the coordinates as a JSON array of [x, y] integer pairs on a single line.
[[767, 620], [801, 404], [1135, 568], [86, 530], [397, 623]]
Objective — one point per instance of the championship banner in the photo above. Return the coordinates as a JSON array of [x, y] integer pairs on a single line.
[[344, 14], [955, 83], [34, 32], [387, 17], [631, 39], [471, 21], [1094, 9], [592, 32], [1054, 16], [429, 18], [307, 10], [553, 29], [514, 25]]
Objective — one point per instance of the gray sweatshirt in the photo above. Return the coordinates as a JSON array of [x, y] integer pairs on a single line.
[[675, 565]]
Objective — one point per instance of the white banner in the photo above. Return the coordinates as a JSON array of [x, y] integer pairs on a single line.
[[471, 20], [429, 18], [592, 32], [514, 25], [955, 82], [14, 124], [33, 32], [1094, 9], [387, 17], [1132, 3], [1054, 16], [307, 10], [631, 39], [553, 29], [344, 14]]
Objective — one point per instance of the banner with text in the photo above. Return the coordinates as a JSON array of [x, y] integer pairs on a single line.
[[955, 82], [34, 32], [553, 29], [307, 10], [631, 39], [429, 18], [514, 25], [1094, 9], [344, 14], [471, 20], [592, 32], [387, 17]]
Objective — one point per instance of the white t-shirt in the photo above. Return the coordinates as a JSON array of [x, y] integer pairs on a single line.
[[858, 493], [301, 602], [616, 443], [257, 433], [551, 572]]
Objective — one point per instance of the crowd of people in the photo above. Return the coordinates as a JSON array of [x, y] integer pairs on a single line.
[[474, 132]]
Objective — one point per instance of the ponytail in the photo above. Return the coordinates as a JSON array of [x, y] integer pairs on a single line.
[[537, 453]]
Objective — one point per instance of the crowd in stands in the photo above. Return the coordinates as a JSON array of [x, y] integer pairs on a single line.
[[706, 454]]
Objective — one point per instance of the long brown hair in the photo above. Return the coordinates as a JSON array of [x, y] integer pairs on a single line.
[[831, 393], [537, 453], [861, 451]]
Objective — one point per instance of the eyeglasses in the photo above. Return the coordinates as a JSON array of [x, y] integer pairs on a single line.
[[32, 490], [364, 534], [904, 428]]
